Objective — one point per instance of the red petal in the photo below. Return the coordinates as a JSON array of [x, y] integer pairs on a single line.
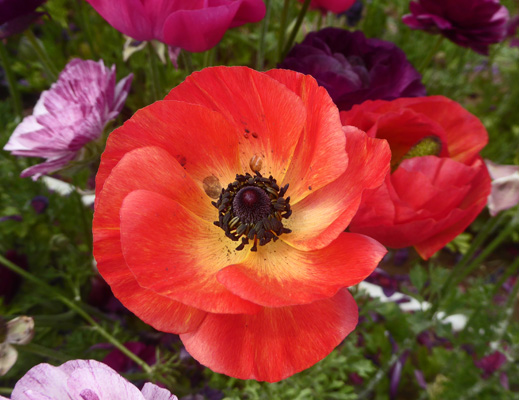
[[319, 218], [319, 157], [201, 140], [269, 117], [427, 214], [275, 343], [176, 254], [279, 275], [158, 311]]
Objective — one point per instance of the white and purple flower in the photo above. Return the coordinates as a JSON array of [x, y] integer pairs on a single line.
[[73, 112], [82, 380]]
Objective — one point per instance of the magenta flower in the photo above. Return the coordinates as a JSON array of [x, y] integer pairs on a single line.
[[17, 15], [469, 23], [335, 6], [72, 113], [194, 25], [82, 380]]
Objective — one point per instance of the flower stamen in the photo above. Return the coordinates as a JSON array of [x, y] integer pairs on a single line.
[[252, 208]]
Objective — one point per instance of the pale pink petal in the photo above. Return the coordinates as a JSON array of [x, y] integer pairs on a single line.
[[153, 392]]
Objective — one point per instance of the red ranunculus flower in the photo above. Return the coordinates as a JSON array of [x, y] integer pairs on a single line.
[[438, 184], [187, 234]]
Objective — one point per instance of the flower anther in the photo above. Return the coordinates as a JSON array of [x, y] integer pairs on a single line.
[[252, 208]]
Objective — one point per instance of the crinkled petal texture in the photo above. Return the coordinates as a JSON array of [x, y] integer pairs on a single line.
[[469, 23], [267, 314], [429, 198], [82, 379], [194, 25], [73, 112]]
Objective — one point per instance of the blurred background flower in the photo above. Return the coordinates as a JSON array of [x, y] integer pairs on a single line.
[[469, 23], [335, 6], [17, 15], [193, 25], [354, 68], [18, 331], [505, 187], [73, 112]]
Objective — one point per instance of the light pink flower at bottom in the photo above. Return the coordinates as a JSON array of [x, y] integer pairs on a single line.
[[73, 112], [82, 380]]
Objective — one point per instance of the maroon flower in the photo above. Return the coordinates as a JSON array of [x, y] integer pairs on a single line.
[[469, 23], [17, 15], [491, 363], [122, 363], [9, 281], [354, 68]]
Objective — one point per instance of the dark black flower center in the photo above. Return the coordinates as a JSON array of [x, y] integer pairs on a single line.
[[252, 208]]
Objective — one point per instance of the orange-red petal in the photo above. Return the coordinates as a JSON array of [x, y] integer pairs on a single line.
[[203, 141], [279, 275], [319, 157], [275, 343], [158, 311], [268, 117], [176, 254], [319, 218]]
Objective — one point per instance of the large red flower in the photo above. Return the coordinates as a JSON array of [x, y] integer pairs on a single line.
[[438, 184], [191, 200]]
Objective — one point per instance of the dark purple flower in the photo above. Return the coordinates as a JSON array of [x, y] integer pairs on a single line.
[[123, 364], [389, 283], [9, 281], [469, 23], [39, 204], [491, 363], [17, 15], [354, 14], [395, 374], [353, 68]]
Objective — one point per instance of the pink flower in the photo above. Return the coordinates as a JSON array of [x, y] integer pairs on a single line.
[[72, 113], [505, 187], [82, 380], [194, 25]]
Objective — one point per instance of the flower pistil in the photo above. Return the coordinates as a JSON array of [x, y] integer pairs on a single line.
[[252, 208]]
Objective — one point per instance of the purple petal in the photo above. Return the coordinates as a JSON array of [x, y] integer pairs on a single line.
[[73, 112]]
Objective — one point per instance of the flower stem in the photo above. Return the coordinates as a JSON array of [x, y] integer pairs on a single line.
[[487, 251], [43, 352], [282, 29], [154, 73], [263, 35], [293, 34], [76, 307], [383, 371], [86, 27], [46, 62], [487, 230], [187, 61], [427, 60], [6, 391], [86, 224], [13, 88]]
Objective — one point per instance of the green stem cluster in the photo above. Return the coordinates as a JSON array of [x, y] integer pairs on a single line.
[[76, 307], [13, 87]]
